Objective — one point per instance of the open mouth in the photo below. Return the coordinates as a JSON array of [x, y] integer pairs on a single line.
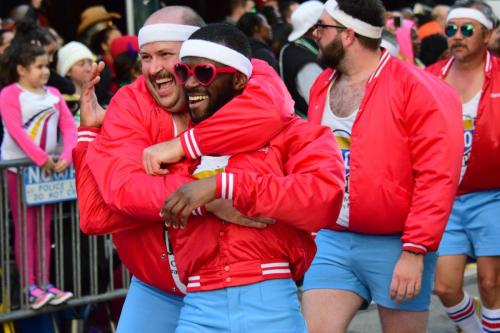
[[196, 100], [163, 84]]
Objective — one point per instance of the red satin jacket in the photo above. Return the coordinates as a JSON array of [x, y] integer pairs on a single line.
[[483, 167], [406, 152], [112, 166]]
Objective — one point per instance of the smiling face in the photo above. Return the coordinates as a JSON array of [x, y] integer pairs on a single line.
[[204, 101], [157, 63], [36, 75]]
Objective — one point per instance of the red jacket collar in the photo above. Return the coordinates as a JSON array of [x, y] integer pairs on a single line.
[[320, 87], [487, 66], [384, 59]]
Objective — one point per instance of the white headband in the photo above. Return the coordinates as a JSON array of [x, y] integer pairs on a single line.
[[470, 13], [216, 52], [165, 32], [360, 27]]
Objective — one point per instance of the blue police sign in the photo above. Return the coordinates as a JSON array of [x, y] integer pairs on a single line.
[[40, 190]]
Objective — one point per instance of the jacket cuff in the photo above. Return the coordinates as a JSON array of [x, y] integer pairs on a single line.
[[200, 211], [414, 248], [189, 145], [225, 185], [87, 133]]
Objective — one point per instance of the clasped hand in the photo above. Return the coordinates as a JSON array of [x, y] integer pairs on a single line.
[[161, 153], [179, 206]]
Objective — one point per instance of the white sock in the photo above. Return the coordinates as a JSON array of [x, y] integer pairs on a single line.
[[464, 315], [491, 320]]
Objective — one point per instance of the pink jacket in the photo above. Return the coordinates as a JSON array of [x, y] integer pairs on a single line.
[[33, 128]]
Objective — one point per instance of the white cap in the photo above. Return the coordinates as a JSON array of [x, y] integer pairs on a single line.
[[304, 17], [70, 54]]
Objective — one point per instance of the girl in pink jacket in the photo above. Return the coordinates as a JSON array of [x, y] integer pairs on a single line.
[[32, 114]]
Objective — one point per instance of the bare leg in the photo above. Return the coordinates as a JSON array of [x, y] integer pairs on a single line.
[[396, 321], [450, 279], [329, 310], [449, 288], [488, 271]]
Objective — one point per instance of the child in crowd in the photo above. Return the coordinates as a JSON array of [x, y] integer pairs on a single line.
[[32, 114], [74, 61]]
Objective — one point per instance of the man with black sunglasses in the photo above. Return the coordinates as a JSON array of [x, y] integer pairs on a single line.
[[473, 229], [399, 132]]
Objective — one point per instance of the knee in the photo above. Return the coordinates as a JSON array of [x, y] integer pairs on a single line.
[[445, 290], [489, 283]]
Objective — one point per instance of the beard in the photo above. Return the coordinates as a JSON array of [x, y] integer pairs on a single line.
[[226, 93], [332, 54]]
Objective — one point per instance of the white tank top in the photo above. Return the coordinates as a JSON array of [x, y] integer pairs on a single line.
[[341, 128], [469, 114]]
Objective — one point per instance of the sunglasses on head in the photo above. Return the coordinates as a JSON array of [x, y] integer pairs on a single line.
[[467, 30], [204, 74]]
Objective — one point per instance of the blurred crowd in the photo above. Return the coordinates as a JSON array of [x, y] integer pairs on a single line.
[[33, 55], [280, 32], [70, 62]]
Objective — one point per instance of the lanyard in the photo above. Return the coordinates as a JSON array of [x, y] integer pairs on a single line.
[[308, 45], [173, 267]]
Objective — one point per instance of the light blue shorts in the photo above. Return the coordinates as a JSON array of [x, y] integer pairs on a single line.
[[364, 265], [148, 309], [474, 226], [266, 307]]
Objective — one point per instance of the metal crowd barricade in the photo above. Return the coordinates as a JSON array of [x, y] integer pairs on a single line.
[[85, 265]]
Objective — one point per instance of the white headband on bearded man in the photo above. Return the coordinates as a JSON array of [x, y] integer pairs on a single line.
[[216, 52], [165, 32], [470, 13], [360, 27]]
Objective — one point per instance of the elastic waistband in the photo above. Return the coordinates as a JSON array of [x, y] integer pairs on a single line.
[[238, 274]]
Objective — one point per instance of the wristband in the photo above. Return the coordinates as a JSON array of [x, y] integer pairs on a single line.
[[412, 247]]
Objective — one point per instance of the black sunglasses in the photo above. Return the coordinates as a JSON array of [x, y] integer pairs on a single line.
[[467, 30], [325, 26]]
